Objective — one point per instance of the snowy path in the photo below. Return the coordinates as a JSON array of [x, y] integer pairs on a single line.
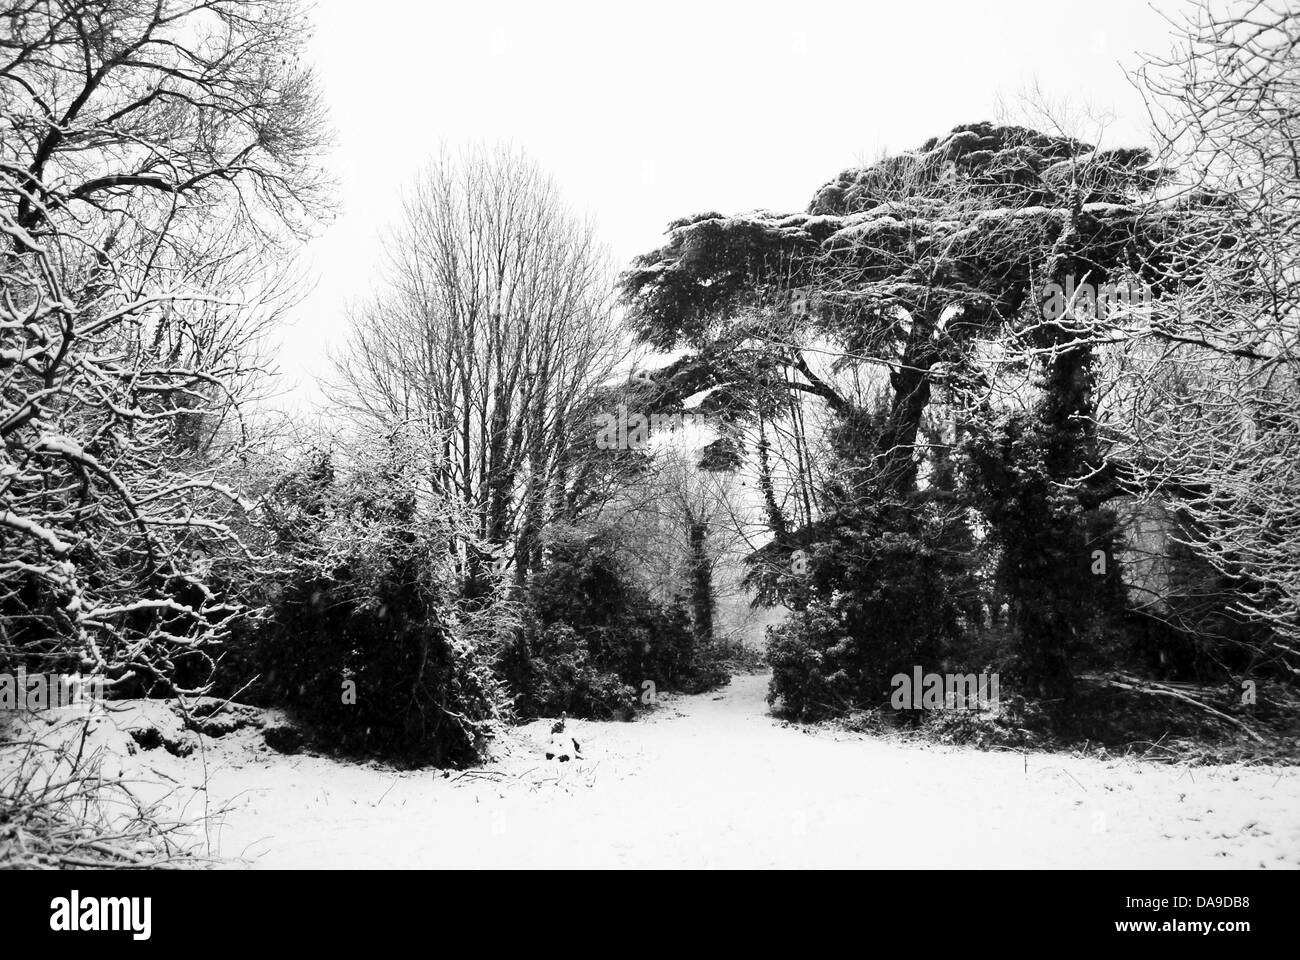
[[713, 781]]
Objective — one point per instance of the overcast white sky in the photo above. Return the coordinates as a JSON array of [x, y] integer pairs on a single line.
[[646, 112]]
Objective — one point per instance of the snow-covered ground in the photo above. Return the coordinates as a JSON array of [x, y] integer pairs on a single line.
[[714, 781]]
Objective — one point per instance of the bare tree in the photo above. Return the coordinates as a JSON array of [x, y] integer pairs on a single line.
[[494, 333], [1211, 386], [151, 152], [685, 529]]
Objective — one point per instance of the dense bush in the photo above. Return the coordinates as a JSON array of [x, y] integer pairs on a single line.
[[361, 634], [880, 594], [552, 672], [595, 643], [806, 681]]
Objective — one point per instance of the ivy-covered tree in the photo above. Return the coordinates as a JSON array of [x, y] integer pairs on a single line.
[[881, 302]]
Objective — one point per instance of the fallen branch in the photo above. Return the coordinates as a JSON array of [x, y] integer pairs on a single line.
[[1161, 690]]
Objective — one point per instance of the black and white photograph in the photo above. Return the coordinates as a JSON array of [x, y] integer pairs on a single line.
[[686, 436]]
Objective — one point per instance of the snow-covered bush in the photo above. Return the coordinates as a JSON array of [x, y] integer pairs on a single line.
[[552, 672], [361, 632], [66, 802], [885, 589], [595, 641]]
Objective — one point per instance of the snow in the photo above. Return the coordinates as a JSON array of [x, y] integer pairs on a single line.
[[714, 781], [10, 519]]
